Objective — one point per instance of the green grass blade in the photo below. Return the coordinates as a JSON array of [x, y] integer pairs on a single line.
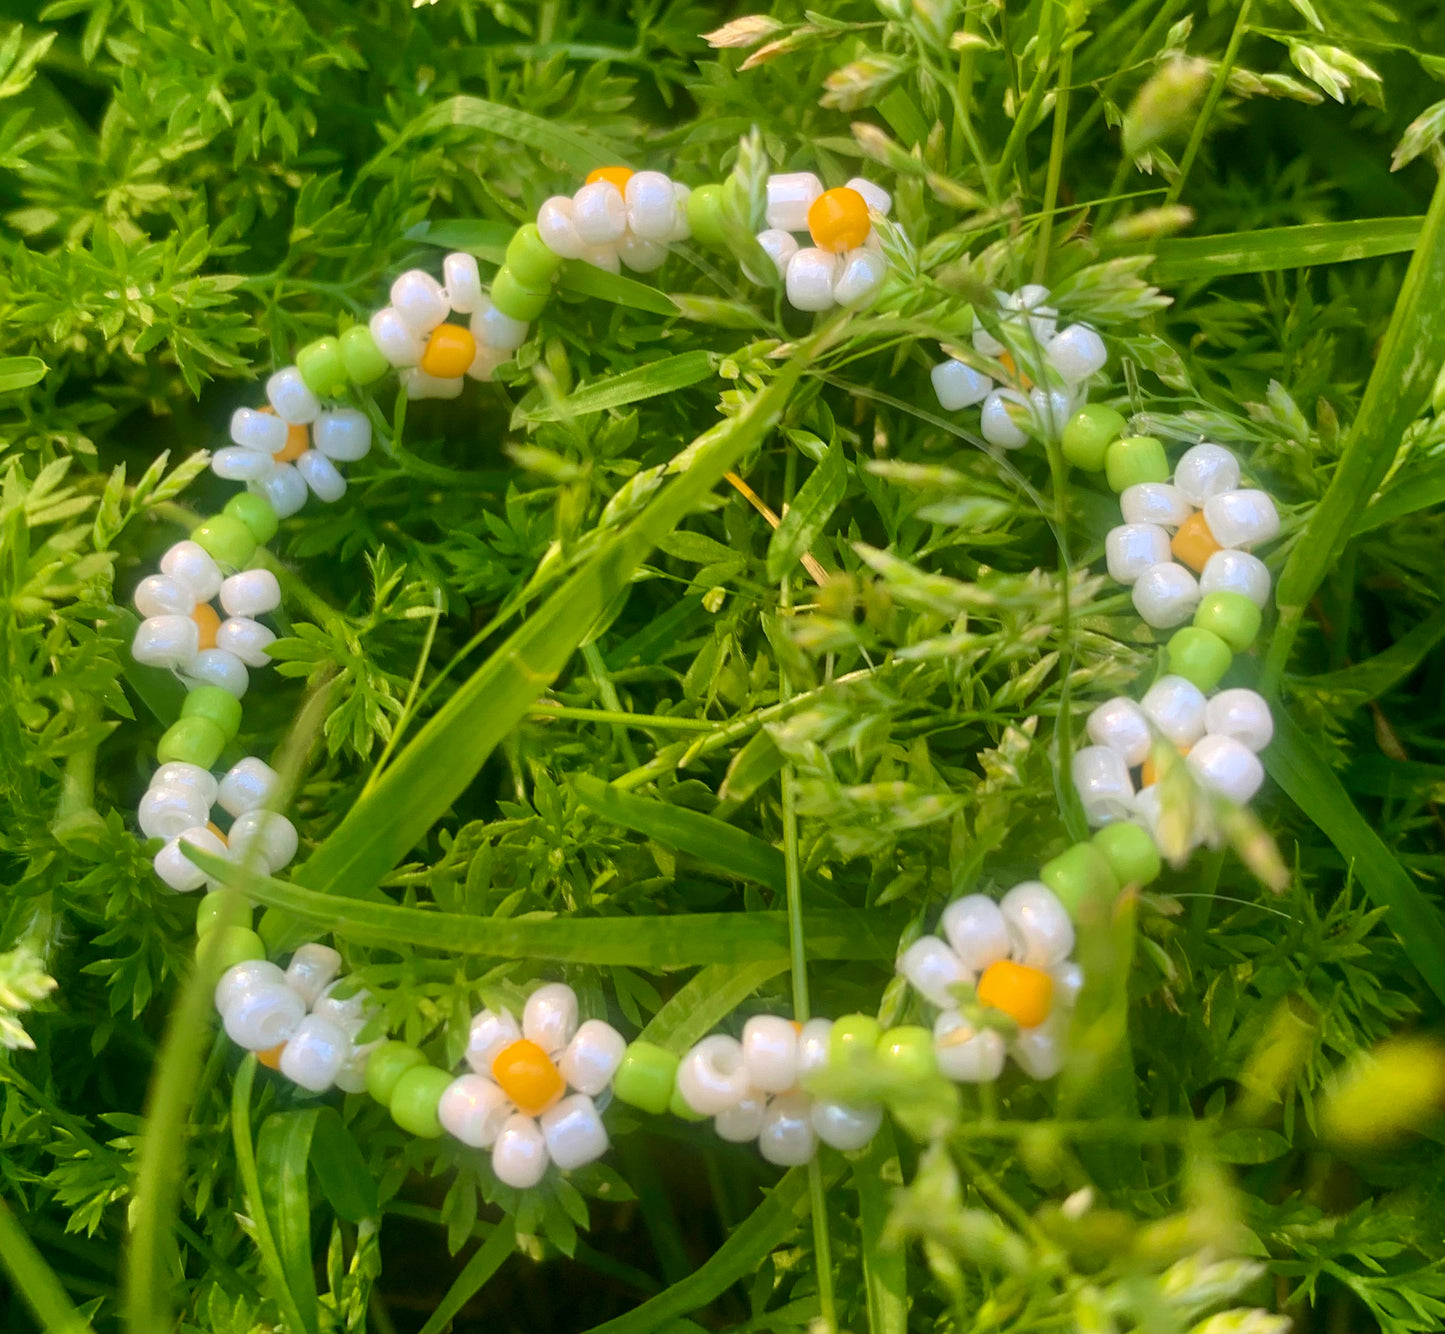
[[1371, 678], [885, 1272], [477, 236], [341, 1171], [578, 151], [1414, 490], [804, 520], [283, 1149], [1204, 258], [706, 1001], [649, 381], [489, 1257], [35, 1281]]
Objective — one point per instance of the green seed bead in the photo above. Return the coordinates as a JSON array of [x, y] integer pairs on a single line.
[[907, 1051], [1088, 435], [192, 741], [322, 367], [1130, 851], [226, 540], [360, 355], [853, 1035], [415, 1098], [1232, 616], [208, 913], [1199, 655], [387, 1064], [529, 260], [256, 513], [705, 216], [646, 1077], [238, 944], [1079, 874], [1135, 459], [514, 300], [220, 706], [677, 1105]]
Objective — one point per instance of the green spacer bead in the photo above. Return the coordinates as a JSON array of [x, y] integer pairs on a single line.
[[646, 1077], [1135, 459], [208, 912], [677, 1105], [360, 355], [515, 301], [322, 367], [907, 1051], [853, 1036], [705, 216], [256, 513], [386, 1064], [1130, 851], [238, 944], [226, 540], [1198, 655], [193, 741], [1231, 616], [1088, 435], [415, 1098], [220, 706], [530, 261], [1078, 874]]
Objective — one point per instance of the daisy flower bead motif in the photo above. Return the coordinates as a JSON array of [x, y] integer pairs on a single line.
[[534, 1089]]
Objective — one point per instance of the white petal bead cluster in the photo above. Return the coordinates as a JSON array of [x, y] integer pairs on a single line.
[[817, 279], [609, 227]]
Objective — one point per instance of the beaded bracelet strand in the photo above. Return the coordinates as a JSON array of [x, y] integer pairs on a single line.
[[1000, 976]]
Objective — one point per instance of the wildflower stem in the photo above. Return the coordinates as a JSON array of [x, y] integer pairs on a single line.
[[1206, 112]]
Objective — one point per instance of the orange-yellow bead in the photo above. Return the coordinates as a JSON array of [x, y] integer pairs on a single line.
[[1025, 994], [216, 830], [838, 220], [619, 176], [449, 351], [1194, 544], [207, 622], [1149, 772], [298, 441], [271, 1057], [528, 1077]]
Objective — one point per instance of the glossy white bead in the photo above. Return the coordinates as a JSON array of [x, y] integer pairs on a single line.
[[786, 1137], [463, 282], [351, 1078], [262, 1016], [1230, 571], [958, 385], [742, 1121], [216, 667], [420, 300], [190, 563], [491, 1031], [243, 977], [1132, 548], [486, 362], [810, 278], [1166, 595], [166, 641], [933, 970], [602, 257], [845, 1126], [1077, 352], [651, 209], [1120, 724], [1206, 471], [1227, 767], [495, 330], [292, 398], [863, 273], [813, 1046], [349, 1013], [235, 464], [681, 228], [574, 1132], [248, 785], [1241, 518], [965, 1054], [167, 811], [1029, 297], [1051, 410], [1241, 714], [312, 969], [262, 840], [519, 1157], [712, 1076], [976, 930], [343, 434], [997, 423], [1176, 708], [1068, 983], [1101, 778], [284, 489], [1039, 1051], [395, 339], [770, 1053], [189, 777], [550, 1017], [1154, 502], [322, 475], [250, 593], [592, 1057], [260, 432], [419, 385], [984, 342], [790, 196], [557, 229], [246, 638], [160, 595], [474, 1110], [314, 1054], [1038, 925], [641, 256], [780, 247], [875, 196], [599, 213]]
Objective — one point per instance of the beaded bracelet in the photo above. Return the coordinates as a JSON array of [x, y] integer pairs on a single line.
[[1000, 975]]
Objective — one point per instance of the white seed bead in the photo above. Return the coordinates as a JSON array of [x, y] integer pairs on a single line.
[[1038, 925], [1226, 766], [463, 282], [933, 970], [322, 476], [1230, 571], [395, 339], [810, 278], [1241, 714], [1101, 778], [263, 1015], [519, 1157], [651, 207], [189, 563], [965, 1054], [351, 1078], [1154, 502], [592, 1057], [420, 300], [599, 214], [1120, 724], [166, 641], [264, 840], [984, 342], [242, 977], [190, 778], [160, 595], [249, 785], [262, 432], [168, 811], [712, 1076], [602, 257], [641, 256], [284, 489], [1206, 471], [1068, 982], [741, 1122], [875, 196], [998, 425], [550, 1017], [1166, 595], [958, 385], [862, 276], [292, 398], [786, 1137], [1051, 410], [314, 1054], [1031, 296], [176, 869], [1176, 708], [790, 196], [343, 434], [557, 229], [813, 1046], [246, 638], [349, 1013], [473, 1110], [1077, 352], [418, 384], [845, 1126], [681, 228], [770, 1053], [235, 464], [492, 1030], [780, 247], [312, 969], [216, 667], [250, 593], [976, 930], [1241, 518], [1039, 1051], [486, 361], [1132, 548], [574, 1132]]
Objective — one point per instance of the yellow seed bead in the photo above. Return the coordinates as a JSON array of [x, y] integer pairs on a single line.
[[1194, 544], [298, 441], [271, 1057], [449, 351], [528, 1077], [207, 622], [619, 176], [1025, 994], [838, 220]]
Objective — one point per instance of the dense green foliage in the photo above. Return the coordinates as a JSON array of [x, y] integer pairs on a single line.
[[190, 190]]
